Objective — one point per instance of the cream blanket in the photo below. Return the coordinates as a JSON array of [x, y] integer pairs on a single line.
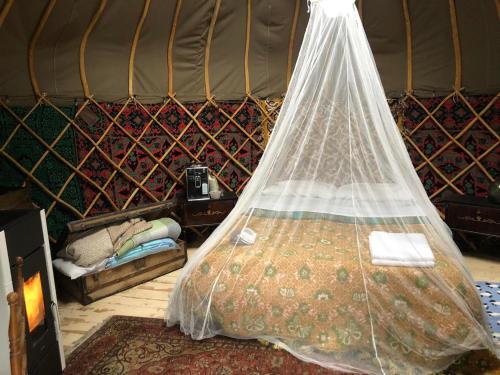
[[96, 247]]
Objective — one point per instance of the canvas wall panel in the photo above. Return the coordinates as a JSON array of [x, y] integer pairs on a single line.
[[150, 73], [108, 49], [57, 51], [387, 41], [476, 20], [56, 54], [271, 22], [433, 56], [301, 28], [14, 41], [227, 54], [189, 48]]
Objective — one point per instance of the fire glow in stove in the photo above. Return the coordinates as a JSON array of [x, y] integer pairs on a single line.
[[35, 307]]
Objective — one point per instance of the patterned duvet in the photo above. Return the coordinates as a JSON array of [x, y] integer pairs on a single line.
[[304, 282]]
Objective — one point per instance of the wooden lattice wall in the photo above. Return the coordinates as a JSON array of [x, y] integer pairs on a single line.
[[131, 146], [454, 139], [130, 153]]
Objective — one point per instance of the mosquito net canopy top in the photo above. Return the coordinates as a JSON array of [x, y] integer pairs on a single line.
[[334, 251]]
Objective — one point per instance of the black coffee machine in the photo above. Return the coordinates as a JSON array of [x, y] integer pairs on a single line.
[[197, 183]]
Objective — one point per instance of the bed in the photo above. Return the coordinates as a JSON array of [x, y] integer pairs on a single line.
[[308, 282]]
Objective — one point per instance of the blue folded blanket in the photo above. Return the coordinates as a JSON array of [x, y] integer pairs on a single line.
[[142, 250]]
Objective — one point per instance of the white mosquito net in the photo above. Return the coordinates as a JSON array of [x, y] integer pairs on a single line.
[[347, 263]]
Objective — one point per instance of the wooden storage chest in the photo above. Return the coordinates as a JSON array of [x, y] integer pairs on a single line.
[[94, 286]]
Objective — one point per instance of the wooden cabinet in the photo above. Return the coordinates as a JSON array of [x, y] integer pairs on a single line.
[[473, 219], [204, 213]]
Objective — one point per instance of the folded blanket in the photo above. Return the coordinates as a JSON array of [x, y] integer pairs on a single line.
[[97, 246], [121, 233], [73, 271], [148, 248], [160, 228], [400, 249]]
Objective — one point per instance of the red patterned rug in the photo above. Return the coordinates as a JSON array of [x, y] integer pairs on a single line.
[[144, 346]]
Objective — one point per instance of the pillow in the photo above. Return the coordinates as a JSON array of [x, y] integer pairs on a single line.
[[372, 191], [165, 227], [301, 188]]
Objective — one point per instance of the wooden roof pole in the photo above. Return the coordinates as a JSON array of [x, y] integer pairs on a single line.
[[456, 45], [133, 49], [170, 63], [33, 41], [5, 10], [211, 29], [83, 46], [291, 44], [248, 88], [409, 47]]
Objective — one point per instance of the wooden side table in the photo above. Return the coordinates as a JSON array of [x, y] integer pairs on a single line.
[[472, 219], [197, 215]]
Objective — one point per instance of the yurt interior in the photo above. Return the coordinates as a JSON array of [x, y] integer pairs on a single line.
[[249, 187]]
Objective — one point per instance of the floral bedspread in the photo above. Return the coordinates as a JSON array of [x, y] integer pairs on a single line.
[[309, 284]]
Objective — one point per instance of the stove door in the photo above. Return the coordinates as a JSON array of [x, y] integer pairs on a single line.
[[41, 342]]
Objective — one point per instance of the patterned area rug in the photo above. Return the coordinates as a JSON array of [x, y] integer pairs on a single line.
[[143, 346], [490, 296], [133, 346]]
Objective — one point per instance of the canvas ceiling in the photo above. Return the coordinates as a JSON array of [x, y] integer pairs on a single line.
[[229, 49]]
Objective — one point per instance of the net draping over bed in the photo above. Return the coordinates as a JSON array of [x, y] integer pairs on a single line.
[[351, 266]]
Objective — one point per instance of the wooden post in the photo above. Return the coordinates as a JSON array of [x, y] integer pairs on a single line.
[[17, 324], [21, 311], [14, 335]]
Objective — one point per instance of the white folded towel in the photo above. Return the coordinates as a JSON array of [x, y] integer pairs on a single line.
[[400, 249], [402, 263]]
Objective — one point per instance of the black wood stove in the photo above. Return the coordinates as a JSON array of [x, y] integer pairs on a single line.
[[23, 234]]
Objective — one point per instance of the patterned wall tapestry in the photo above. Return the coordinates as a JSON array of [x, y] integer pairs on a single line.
[[98, 157], [462, 149], [159, 138], [23, 141]]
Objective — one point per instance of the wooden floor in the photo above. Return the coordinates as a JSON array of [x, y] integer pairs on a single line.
[[150, 300], [146, 300]]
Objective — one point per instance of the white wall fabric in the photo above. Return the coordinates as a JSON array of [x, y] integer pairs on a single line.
[[335, 129]]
